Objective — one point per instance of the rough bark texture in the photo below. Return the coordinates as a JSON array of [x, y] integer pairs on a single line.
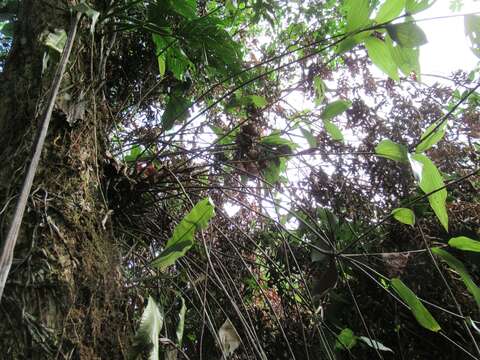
[[62, 299]]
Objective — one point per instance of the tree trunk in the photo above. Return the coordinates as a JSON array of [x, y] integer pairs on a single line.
[[62, 298]]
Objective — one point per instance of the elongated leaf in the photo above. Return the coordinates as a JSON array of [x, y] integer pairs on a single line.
[[333, 130], [162, 65], [433, 138], [320, 87], [181, 322], [389, 10], [229, 338], [172, 354], [407, 34], [183, 235], [458, 266], [374, 344], [422, 315], [335, 108], [177, 62], [381, 56], [407, 59], [274, 139], [404, 215], [391, 150], [161, 46], [347, 44], [345, 340], [429, 180], [415, 6], [464, 243], [171, 56], [146, 338]]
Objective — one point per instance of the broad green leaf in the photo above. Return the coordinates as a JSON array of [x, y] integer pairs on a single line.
[[374, 344], [134, 154], [183, 235], [422, 315], [407, 34], [258, 101], [389, 10], [464, 243], [407, 59], [430, 179], [345, 340], [177, 62], [274, 139], [415, 6], [171, 57], [274, 168], [229, 338], [333, 130], [335, 108], [320, 87], [404, 215], [162, 65], [146, 338], [176, 111], [391, 150], [56, 40], [312, 141], [433, 138], [351, 41], [186, 8], [206, 40], [358, 13], [458, 266], [381, 56], [160, 47], [472, 30]]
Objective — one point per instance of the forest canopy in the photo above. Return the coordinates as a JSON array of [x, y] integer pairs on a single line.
[[236, 179]]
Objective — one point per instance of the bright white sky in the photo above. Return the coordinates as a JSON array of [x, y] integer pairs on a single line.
[[448, 49]]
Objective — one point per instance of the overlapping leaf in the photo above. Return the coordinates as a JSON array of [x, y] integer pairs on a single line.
[[458, 266], [391, 150], [430, 181], [146, 338], [183, 235], [422, 315]]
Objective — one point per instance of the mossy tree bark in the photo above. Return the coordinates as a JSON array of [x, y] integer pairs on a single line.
[[62, 298]]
